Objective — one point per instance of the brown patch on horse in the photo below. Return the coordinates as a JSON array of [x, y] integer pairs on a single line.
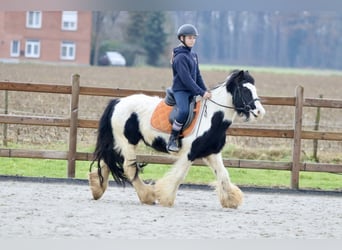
[[160, 118]]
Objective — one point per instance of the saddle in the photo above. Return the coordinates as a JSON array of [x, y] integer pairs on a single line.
[[165, 113]]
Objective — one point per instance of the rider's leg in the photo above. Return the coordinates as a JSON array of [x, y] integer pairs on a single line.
[[182, 101]]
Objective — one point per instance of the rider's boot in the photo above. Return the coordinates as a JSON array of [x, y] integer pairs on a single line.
[[173, 144]]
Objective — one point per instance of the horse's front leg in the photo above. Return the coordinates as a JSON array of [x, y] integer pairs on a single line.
[[166, 187], [229, 194]]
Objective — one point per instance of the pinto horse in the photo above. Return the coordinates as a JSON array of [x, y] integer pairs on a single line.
[[127, 121]]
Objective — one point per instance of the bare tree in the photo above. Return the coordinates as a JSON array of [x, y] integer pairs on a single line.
[[101, 21]]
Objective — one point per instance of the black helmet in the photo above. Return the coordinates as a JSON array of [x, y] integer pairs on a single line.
[[187, 30]]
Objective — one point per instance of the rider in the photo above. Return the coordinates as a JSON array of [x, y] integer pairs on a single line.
[[187, 80]]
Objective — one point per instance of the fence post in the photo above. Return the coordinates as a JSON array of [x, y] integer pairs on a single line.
[[296, 149], [316, 128], [75, 91], [5, 124]]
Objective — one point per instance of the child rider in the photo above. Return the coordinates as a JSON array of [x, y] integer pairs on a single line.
[[187, 80]]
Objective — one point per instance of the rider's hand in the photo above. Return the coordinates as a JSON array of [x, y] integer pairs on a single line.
[[207, 95]]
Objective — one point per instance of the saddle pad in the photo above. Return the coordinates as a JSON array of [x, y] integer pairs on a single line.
[[160, 118]]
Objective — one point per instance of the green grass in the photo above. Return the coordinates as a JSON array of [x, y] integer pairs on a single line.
[[196, 175], [40, 168]]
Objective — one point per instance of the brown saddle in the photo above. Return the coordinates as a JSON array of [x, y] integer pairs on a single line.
[[163, 115]]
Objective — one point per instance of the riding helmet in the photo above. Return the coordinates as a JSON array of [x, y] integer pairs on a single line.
[[187, 30]]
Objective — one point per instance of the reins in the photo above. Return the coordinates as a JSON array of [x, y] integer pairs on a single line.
[[221, 105]]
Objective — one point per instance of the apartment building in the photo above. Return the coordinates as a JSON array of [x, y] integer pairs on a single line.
[[46, 36]]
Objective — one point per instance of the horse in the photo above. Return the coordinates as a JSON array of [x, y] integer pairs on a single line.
[[126, 122]]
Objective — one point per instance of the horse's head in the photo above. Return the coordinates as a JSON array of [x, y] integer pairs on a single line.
[[245, 98]]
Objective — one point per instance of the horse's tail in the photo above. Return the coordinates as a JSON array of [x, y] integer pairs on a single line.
[[105, 147]]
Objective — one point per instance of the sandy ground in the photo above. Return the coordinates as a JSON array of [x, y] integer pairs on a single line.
[[45, 210]]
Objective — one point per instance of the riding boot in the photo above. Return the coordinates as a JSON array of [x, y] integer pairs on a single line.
[[173, 144]]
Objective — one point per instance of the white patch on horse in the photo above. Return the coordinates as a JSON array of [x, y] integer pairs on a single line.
[[259, 111]]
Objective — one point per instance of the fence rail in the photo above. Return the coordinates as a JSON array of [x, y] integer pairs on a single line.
[[73, 123]]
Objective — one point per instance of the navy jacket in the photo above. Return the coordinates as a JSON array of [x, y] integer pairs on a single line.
[[186, 74]]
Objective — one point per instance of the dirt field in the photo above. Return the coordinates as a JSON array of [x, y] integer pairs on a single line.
[[268, 84], [34, 210]]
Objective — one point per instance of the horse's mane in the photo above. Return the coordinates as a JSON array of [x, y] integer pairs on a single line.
[[247, 78]]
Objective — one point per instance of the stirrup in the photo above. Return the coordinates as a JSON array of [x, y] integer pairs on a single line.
[[172, 148]]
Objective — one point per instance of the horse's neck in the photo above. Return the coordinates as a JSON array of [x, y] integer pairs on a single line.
[[208, 109], [221, 96]]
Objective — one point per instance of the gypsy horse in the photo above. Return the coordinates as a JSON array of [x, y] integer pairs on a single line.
[[127, 121]]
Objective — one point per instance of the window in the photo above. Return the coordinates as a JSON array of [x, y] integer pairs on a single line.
[[34, 19], [15, 48], [32, 48], [69, 20], [68, 50]]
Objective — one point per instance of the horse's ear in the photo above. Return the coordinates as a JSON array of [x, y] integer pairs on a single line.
[[240, 76], [248, 77], [234, 79]]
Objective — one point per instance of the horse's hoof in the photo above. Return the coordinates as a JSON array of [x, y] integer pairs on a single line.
[[149, 202], [146, 194], [235, 197], [95, 186], [165, 202]]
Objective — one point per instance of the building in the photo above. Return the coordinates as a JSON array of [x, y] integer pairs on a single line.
[[46, 36]]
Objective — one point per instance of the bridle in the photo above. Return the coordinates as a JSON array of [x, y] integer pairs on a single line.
[[246, 105]]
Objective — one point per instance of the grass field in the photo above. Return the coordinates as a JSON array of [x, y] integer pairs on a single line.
[[196, 175], [269, 82]]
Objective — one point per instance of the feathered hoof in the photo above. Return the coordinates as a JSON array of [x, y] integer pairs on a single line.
[[150, 200], [147, 196], [235, 197], [95, 186], [164, 196], [166, 202]]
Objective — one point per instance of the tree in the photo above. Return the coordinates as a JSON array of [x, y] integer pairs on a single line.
[[155, 37], [136, 27], [146, 31], [101, 20], [284, 39]]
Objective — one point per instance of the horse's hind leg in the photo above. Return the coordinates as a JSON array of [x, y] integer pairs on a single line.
[[229, 194], [97, 188], [166, 187], [145, 191]]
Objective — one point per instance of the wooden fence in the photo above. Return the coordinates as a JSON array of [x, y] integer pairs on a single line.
[[73, 123]]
